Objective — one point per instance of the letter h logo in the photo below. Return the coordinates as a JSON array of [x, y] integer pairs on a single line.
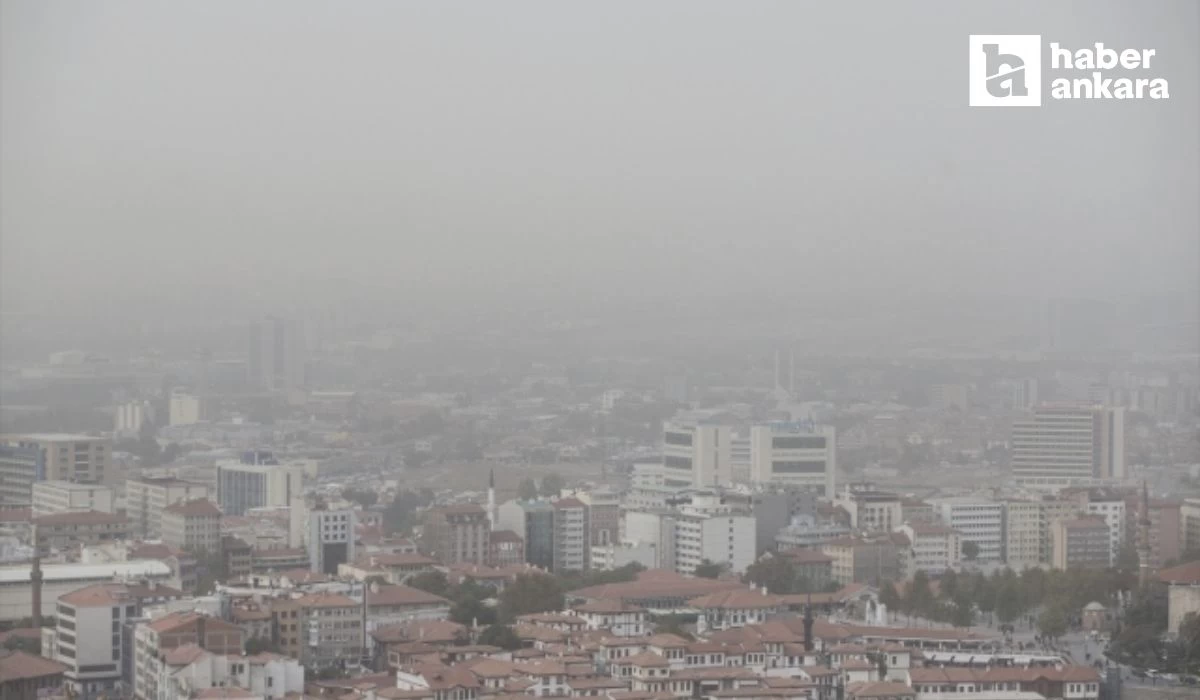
[[1005, 70]]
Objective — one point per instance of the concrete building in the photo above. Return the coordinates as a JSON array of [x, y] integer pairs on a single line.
[[705, 528], [146, 497], [1054, 510], [505, 548], [185, 408], [697, 454], [1165, 532], [243, 484], [869, 560], [1067, 444], [1022, 534], [1025, 394], [93, 636], [613, 556], [807, 531], [1080, 543], [870, 510], [277, 354], [326, 533], [571, 537], [977, 520], [129, 417], [16, 591], [155, 640], [26, 459], [29, 677], [1189, 524], [21, 465], [946, 397], [331, 628], [457, 534], [795, 455], [192, 525], [51, 497], [812, 565], [534, 522], [189, 671], [934, 549], [62, 532], [604, 515], [1183, 593], [1110, 506]]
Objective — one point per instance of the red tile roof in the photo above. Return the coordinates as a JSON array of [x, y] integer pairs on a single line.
[[17, 665], [85, 517], [199, 508], [1182, 574]]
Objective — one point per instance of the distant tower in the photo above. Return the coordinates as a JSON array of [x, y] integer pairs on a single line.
[[491, 505], [1143, 546], [778, 384], [35, 578], [808, 624]]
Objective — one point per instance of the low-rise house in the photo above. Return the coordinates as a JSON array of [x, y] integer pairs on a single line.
[[735, 608], [154, 639], [28, 677], [73, 529], [619, 618], [190, 671]]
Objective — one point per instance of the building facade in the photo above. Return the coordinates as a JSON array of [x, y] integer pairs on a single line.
[[1060, 445], [192, 525], [1080, 543], [51, 497], [794, 455], [146, 497], [457, 535]]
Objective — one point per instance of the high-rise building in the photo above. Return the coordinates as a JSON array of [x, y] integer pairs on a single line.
[[794, 455], [533, 521], [1025, 394], [326, 533], [129, 417], [1080, 543], [457, 535], [571, 538], [697, 454], [977, 520], [1068, 443], [604, 515], [277, 354], [255, 482], [21, 465], [1022, 534], [185, 408]]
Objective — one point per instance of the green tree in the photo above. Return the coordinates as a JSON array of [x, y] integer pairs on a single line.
[[552, 485], [501, 636], [434, 582], [948, 584], [919, 597], [257, 645], [528, 490], [29, 645], [775, 572], [1053, 622], [962, 614], [530, 593], [1008, 601], [889, 597], [672, 624], [363, 497], [472, 612], [709, 569], [1127, 559], [970, 550]]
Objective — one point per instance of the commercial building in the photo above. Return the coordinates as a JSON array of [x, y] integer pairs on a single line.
[[534, 522], [807, 531], [249, 483], [192, 525], [25, 459], [697, 454], [1183, 593], [604, 515], [129, 417], [16, 591], [795, 455], [185, 408], [21, 465], [457, 534], [277, 354], [146, 497], [870, 560], [1054, 510], [326, 533], [704, 528], [1110, 506], [1066, 444], [1080, 543], [1165, 532], [505, 548], [977, 520], [331, 629], [66, 497]]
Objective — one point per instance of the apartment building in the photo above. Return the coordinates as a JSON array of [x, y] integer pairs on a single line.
[[604, 515], [192, 525], [977, 520], [330, 629], [934, 549], [146, 497], [1189, 524], [697, 454], [325, 532], [869, 509], [457, 534], [1064, 444], [571, 538], [505, 548], [154, 640], [1080, 543], [71, 530], [534, 522], [1054, 510], [51, 497], [191, 671], [1022, 534], [22, 464], [869, 560], [258, 481], [1166, 532]]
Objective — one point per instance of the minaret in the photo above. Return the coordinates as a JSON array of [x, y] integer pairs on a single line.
[[808, 624], [35, 578], [1143, 543], [491, 504]]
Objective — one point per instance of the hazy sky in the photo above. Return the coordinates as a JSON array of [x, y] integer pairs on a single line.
[[507, 151]]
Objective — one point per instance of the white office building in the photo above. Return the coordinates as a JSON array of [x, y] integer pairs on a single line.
[[795, 455], [326, 533], [697, 454], [1066, 444], [977, 520], [58, 496]]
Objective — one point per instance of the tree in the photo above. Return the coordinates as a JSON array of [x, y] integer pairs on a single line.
[[672, 624], [1053, 622], [528, 490], [775, 572], [257, 645], [363, 497], [1127, 559], [501, 636], [919, 598], [552, 485], [401, 514], [970, 550], [708, 569], [889, 597], [948, 584], [29, 645], [434, 582], [962, 614], [472, 611], [530, 593], [1008, 601]]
